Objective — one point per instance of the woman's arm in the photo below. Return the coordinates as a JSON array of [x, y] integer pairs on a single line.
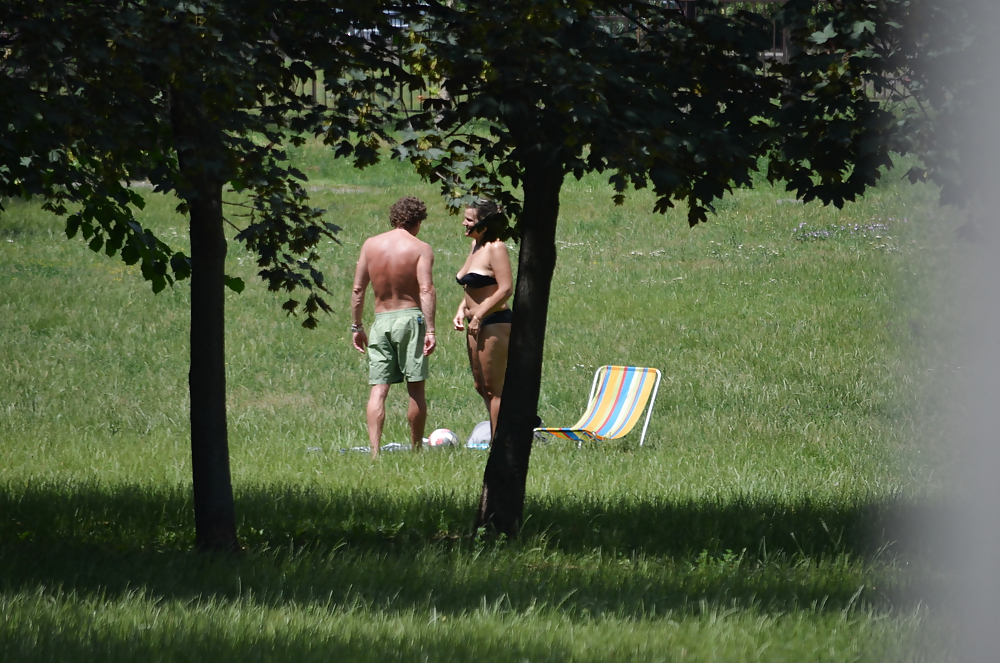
[[459, 320], [463, 310]]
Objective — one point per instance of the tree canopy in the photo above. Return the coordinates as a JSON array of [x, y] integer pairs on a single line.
[[89, 92], [656, 99]]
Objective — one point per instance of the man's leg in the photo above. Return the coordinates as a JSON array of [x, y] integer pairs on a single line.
[[376, 416], [416, 413]]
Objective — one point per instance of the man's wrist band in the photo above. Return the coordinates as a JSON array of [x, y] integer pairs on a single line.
[[357, 328]]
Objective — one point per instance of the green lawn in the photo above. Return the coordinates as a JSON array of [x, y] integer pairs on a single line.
[[763, 520]]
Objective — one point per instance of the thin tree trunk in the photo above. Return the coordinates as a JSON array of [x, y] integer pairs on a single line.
[[199, 147], [501, 505]]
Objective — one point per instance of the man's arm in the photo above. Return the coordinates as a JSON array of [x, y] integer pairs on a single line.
[[361, 281], [428, 297]]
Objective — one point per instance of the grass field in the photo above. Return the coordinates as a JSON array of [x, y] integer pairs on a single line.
[[762, 521]]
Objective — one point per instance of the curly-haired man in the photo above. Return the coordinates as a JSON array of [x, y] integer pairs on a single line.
[[398, 266]]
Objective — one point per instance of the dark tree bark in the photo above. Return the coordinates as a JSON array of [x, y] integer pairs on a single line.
[[501, 505], [200, 156]]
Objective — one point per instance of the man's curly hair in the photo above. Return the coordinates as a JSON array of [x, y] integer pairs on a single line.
[[407, 212]]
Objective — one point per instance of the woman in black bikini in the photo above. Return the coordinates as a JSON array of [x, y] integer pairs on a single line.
[[483, 312]]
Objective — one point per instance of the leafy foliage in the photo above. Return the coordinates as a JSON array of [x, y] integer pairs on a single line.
[[87, 101], [669, 103], [835, 135], [688, 106], [942, 54]]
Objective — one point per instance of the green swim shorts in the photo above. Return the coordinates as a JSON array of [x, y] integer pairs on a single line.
[[396, 347]]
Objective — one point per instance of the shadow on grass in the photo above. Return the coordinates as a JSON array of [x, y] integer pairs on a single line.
[[634, 558], [320, 642]]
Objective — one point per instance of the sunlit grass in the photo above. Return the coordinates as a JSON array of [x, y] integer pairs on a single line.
[[761, 521]]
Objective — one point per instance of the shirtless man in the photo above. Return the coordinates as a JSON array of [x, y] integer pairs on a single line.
[[398, 266]]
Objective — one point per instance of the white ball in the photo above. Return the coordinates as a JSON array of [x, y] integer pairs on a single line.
[[442, 437]]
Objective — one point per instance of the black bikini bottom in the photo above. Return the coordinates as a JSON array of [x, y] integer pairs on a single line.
[[503, 316]]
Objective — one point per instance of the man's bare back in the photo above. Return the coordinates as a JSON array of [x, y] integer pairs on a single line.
[[397, 264]]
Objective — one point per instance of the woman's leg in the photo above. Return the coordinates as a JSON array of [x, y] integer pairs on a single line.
[[477, 369], [492, 350]]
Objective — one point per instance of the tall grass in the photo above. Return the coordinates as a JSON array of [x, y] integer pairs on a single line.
[[763, 520]]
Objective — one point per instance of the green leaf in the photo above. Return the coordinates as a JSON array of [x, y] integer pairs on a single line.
[[827, 34], [235, 284], [72, 226], [130, 255], [181, 265], [862, 26]]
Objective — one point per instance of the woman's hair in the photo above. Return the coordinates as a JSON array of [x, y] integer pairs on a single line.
[[489, 218], [407, 212]]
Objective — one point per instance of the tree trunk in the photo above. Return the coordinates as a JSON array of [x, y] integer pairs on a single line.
[[501, 505], [200, 156]]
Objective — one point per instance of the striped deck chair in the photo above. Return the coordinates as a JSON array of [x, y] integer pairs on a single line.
[[617, 397]]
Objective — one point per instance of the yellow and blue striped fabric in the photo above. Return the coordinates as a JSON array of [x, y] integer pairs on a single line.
[[616, 406]]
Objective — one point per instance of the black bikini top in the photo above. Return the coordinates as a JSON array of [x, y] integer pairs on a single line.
[[474, 280]]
